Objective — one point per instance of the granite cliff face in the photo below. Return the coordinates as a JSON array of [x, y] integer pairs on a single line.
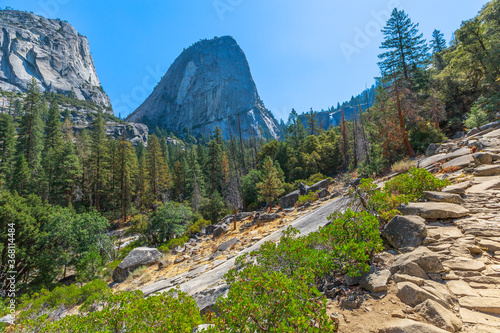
[[208, 85], [50, 50]]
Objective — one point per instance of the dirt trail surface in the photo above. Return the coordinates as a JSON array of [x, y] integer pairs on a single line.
[[306, 224]]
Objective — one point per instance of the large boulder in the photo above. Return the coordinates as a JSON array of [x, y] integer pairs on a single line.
[[434, 210], [439, 316], [205, 300], [431, 149], [320, 185], [290, 199], [482, 158], [140, 256], [220, 230], [418, 263], [443, 197], [405, 231], [303, 188]]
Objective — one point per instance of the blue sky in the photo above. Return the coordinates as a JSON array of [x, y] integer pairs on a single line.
[[302, 54]]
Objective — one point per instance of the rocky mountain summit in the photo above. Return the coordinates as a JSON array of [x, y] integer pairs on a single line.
[[208, 85], [53, 52]]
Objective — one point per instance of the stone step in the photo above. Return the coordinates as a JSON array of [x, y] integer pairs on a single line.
[[489, 305]]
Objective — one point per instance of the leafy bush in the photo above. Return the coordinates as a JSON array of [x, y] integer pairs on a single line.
[[173, 311], [309, 197], [351, 238], [34, 305], [414, 183], [197, 226], [262, 301], [477, 117], [422, 135]]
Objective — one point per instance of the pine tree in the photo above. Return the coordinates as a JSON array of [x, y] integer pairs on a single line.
[[295, 131], [51, 152], [30, 139], [406, 47], [21, 176], [438, 45], [271, 185], [312, 123], [7, 147], [159, 177], [98, 158], [84, 153], [127, 170], [143, 193], [215, 160], [68, 169]]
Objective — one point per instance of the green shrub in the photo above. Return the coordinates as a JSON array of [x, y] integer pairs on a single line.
[[293, 256], [173, 311], [262, 301], [477, 117], [197, 227], [32, 306], [422, 135], [309, 197], [414, 183], [351, 238]]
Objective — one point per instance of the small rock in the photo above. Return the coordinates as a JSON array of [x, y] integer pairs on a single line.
[[439, 316], [227, 245], [443, 197], [376, 282]]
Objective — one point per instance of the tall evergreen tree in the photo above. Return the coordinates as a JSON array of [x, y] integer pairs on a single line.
[[68, 169], [312, 123], [143, 193], [21, 176], [30, 139], [7, 147], [159, 176], [271, 185], [98, 159], [127, 171], [405, 47], [438, 45], [215, 161], [52, 149]]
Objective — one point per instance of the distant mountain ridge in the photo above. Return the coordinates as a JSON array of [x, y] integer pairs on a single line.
[[208, 85], [333, 116]]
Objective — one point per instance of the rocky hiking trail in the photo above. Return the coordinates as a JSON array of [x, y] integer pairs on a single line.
[[440, 271]]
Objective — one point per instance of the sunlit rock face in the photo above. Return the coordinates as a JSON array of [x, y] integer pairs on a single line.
[[208, 85]]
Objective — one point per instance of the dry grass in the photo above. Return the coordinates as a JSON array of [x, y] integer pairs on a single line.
[[402, 166], [138, 272], [451, 169]]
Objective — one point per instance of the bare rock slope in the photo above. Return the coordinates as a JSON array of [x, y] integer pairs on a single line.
[[52, 51]]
